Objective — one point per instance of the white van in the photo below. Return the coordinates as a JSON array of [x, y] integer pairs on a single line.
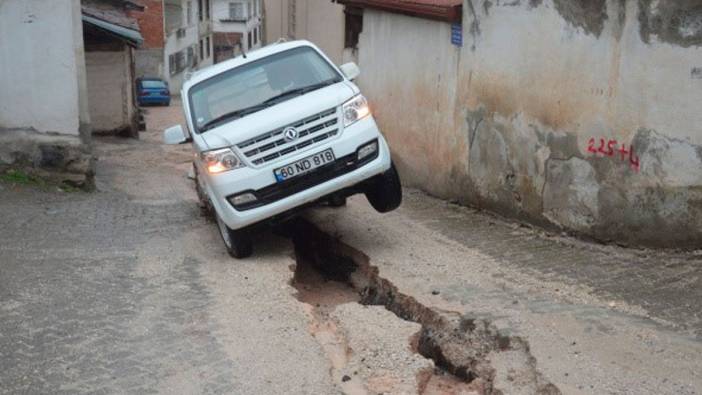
[[279, 129]]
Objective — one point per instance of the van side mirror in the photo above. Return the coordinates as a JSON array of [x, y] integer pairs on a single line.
[[350, 70], [175, 135]]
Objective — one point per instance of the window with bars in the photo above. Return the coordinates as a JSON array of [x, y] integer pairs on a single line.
[[191, 56], [178, 61]]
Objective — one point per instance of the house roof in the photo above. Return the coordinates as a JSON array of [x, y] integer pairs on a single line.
[[443, 10], [111, 15]]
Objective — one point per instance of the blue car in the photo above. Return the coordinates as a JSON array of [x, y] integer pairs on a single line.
[[152, 91]]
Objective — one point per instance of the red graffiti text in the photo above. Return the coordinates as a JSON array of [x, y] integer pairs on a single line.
[[613, 149]]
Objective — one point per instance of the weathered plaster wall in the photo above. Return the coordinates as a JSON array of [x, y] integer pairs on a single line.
[[110, 90], [149, 63], [321, 22], [40, 77], [536, 115], [44, 116]]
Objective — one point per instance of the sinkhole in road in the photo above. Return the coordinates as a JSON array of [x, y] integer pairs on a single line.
[[329, 273]]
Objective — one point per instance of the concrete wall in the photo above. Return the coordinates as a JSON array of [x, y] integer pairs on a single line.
[[110, 90], [536, 114], [40, 78], [321, 22], [44, 116], [148, 62]]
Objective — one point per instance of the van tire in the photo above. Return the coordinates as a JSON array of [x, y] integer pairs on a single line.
[[384, 191], [238, 242]]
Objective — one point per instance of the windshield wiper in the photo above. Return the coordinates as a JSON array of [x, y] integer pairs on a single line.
[[300, 91], [232, 114]]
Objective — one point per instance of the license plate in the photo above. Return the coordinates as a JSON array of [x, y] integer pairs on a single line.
[[304, 165]]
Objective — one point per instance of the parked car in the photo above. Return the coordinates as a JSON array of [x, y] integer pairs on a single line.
[[278, 130], [152, 91]]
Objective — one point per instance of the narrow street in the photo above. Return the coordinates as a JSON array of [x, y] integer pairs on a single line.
[[129, 290]]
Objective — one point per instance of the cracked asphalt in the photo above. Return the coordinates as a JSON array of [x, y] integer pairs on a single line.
[[129, 290]]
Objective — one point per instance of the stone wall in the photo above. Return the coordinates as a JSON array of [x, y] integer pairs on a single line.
[[575, 115]]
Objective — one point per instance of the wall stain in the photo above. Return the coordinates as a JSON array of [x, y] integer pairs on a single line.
[[590, 15], [474, 28], [474, 119], [486, 6], [674, 22]]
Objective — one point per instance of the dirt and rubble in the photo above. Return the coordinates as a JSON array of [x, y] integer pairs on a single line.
[[333, 276]]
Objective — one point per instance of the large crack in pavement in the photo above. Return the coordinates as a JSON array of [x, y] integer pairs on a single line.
[[469, 354]]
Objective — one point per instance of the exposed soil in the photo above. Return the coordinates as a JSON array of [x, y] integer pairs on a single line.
[[329, 273]]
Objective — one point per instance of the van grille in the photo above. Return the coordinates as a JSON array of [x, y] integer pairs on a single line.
[[272, 145]]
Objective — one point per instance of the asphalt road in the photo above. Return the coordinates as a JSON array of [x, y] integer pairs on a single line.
[[129, 290]]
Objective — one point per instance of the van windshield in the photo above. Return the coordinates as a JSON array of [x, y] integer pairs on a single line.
[[257, 85]]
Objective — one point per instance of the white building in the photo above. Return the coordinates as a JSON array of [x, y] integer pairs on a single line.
[[188, 44], [322, 22], [237, 25], [44, 114]]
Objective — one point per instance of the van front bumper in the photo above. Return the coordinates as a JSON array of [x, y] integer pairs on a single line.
[[273, 198]]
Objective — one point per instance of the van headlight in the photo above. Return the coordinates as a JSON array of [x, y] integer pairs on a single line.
[[355, 109], [221, 160]]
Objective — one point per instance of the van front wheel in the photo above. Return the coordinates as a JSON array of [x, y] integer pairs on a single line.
[[384, 191], [238, 242]]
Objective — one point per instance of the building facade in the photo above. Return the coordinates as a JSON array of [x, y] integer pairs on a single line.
[[44, 113], [322, 22], [577, 116], [205, 55], [149, 59], [110, 36], [182, 32], [237, 26]]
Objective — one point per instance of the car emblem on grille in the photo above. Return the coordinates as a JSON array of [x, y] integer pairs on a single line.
[[290, 134]]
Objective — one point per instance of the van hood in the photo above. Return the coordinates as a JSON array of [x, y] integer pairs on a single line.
[[279, 115]]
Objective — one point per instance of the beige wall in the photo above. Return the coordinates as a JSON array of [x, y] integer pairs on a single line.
[[506, 121], [109, 90], [319, 21]]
